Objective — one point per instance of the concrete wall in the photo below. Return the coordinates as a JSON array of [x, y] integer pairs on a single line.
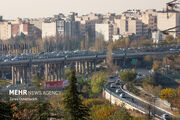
[[116, 101]]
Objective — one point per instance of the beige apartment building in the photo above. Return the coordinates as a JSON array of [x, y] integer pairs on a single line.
[[168, 20], [49, 29], [105, 31], [129, 26], [135, 27], [5, 30]]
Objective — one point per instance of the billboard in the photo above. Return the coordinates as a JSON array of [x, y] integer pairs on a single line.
[[57, 84]]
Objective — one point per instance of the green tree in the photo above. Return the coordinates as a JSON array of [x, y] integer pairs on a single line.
[[98, 81], [128, 76], [73, 106], [5, 111]]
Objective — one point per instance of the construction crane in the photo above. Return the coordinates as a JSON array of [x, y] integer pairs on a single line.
[[171, 30], [171, 6]]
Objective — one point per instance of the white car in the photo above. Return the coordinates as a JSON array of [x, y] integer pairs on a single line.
[[113, 85], [122, 95], [118, 91]]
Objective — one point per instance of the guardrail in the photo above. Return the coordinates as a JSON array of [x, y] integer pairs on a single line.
[[137, 107], [126, 101]]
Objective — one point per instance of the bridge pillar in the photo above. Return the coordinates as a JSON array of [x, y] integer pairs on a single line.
[[60, 72], [91, 66], [53, 72], [80, 67], [83, 67], [57, 72], [87, 67], [18, 75], [46, 71], [94, 66], [13, 75], [77, 67], [63, 71]]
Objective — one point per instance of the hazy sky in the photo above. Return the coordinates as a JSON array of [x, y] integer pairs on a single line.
[[11, 9]]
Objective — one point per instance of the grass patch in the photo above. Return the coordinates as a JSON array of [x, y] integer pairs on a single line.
[[131, 88]]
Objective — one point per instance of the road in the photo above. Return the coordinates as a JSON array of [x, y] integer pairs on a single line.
[[146, 107]]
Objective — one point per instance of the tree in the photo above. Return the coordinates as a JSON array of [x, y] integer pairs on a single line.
[[128, 76], [31, 111], [168, 94], [148, 81], [5, 111], [156, 65], [169, 38], [121, 114], [109, 55], [73, 106], [98, 81], [176, 101]]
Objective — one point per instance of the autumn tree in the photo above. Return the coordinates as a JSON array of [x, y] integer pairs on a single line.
[[168, 94], [156, 65], [109, 55], [128, 76], [176, 100], [169, 38], [98, 81]]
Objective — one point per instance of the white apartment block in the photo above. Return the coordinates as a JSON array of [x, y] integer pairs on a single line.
[[166, 21], [105, 30], [49, 29], [5, 31], [135, 27], [129, 26]]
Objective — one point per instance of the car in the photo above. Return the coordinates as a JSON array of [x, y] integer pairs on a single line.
[[118, 91], [113, 85], [166, 117], [6, 60], [118, 82], [122, 95], [111, 76]]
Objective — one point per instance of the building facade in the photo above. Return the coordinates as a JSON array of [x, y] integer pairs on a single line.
[[105, 31], [168, 20]]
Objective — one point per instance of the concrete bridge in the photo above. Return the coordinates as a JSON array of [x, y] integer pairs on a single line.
[[54, 67]]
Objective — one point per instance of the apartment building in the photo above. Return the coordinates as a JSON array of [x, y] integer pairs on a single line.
[[135, 27], [128, 26], [49, 29], [168, 20], [67, 27], [5, 30], [105, 31]]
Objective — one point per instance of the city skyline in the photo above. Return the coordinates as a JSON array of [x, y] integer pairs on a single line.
[[44, 8]]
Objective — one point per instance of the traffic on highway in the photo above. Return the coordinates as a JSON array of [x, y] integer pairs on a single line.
[[115, 87]]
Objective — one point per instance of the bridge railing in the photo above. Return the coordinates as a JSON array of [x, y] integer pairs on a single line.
[[126, 101]]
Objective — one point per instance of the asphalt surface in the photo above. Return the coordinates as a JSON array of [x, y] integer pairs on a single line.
[[148, 107]]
